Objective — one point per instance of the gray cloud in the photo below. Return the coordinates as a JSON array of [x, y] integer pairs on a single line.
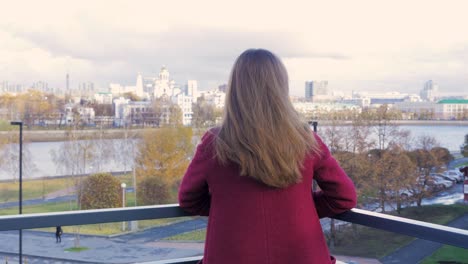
[[189, 53], [206, 54]]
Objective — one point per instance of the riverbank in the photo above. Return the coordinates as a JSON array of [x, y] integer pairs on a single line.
[[116, 133], [405, 122], [62, 135]]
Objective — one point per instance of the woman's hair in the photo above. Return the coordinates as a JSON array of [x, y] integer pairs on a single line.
[[261, 131]]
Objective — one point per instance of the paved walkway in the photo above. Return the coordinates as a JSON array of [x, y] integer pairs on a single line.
[[146, 246], [420, 249], [128, 248]]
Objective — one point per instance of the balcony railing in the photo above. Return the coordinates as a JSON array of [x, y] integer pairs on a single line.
[[433, 232]]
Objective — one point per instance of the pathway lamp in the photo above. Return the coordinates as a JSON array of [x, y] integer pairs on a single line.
[[123, 186], [20, 124]]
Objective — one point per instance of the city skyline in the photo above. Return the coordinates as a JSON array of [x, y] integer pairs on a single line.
[[361, 46]]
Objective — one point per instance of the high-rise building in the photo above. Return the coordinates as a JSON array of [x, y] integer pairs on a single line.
[[67, 85], [315, 88], [86, 88], [41, 86], [192, 88], [430, 91], [7, 87], [139, 91]]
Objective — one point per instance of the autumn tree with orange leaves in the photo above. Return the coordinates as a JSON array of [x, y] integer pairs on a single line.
[[163, 156]]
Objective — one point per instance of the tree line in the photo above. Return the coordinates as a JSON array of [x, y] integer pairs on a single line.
[[36, 108], [386, 163]]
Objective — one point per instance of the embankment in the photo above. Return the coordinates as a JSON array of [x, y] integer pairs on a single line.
[[62, 135], [406, 122]]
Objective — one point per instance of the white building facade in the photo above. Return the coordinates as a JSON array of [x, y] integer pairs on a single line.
[[103, 98], [443, 109], [161, 88], [214, 97]]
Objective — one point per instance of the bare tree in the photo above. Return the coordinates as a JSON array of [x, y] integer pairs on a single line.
[[9, 151], [102, 151], [125, 151], [384, 127], [332, 136], [425, 161], [204, 114], [73, 158], [464, 147]]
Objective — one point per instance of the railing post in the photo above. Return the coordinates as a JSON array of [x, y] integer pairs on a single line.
[[20, 154]]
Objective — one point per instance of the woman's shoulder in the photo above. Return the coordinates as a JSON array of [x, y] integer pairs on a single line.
[[207, 142], [214, 130], [210, 135]]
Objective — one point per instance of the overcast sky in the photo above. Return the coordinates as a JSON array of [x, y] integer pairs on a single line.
[[355, 45]]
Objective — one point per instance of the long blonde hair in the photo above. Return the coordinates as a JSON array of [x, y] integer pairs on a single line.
[[261, 131]]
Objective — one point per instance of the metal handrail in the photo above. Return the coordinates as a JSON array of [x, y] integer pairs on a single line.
[[414, 228], [428, 231]]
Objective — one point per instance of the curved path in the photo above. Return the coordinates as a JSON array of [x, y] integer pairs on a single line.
[[127, 248], [419, 249]]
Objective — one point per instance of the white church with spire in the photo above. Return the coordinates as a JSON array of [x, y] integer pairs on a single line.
[[162, 86]]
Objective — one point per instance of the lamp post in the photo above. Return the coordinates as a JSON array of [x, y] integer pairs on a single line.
[[20, 124], [123, 185]]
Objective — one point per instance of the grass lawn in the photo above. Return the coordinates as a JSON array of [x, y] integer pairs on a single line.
[[370, 242], [32, 189], [197, 235], [367, 242], [39, 188], [76, 249], [448, 255], [437, 214], [462, 165], [41, 208]]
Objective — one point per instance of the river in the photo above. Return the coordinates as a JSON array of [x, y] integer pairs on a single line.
[[40, 153], [450, 137]]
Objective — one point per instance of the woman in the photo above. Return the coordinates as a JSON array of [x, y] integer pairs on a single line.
[[253, 174]]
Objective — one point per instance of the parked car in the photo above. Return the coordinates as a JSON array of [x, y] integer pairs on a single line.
[[445, 177], [434, 182], [455, 174], [403, 193], [440, 182]]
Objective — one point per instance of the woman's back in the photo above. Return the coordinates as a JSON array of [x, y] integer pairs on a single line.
[[250, 222]]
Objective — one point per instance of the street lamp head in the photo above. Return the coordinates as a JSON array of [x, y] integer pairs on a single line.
[[16, 123], [123, 185]]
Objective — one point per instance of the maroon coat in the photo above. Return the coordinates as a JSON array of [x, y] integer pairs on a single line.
[[252, 223]]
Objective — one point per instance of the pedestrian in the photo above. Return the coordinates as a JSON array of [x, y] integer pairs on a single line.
[[58, 234], [253, 174]]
